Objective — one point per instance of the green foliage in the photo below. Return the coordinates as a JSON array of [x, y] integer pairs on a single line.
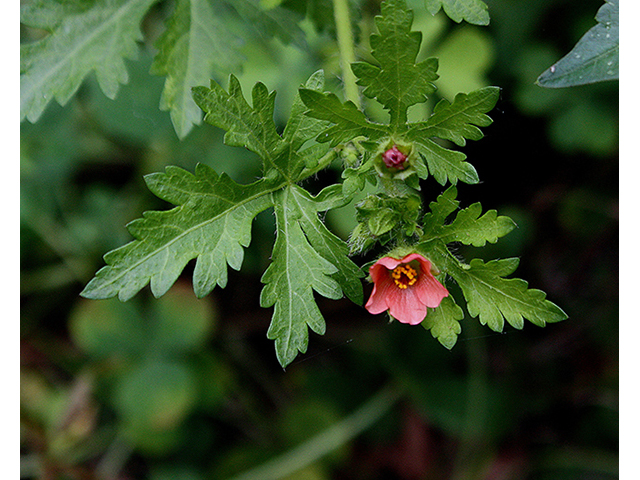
[[83, 37], [444, 322], [595, 58], [156, 385], [493, 298], [489, 296], [213, 215], [196, 43], [473, 11], [398, 83], [306, 257], [200, 40], [212, 221], [149, 388]]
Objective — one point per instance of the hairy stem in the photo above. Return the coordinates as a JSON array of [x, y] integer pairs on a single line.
[[346, 48]]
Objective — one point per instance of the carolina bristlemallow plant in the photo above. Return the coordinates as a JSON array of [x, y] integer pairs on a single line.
[[412, 278]]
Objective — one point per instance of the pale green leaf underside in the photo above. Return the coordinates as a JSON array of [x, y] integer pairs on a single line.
[[82, 40], [212, 223], [495, 299], [473, 11], [595, 58], [196, 43], [300, 266]]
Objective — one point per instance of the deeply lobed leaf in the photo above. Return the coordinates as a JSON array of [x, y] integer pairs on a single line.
[[212, 223], [84, 37], [494, 299], [197, 43], [459, 120], [306, 258], [397, 82], [444, 322], [349, 121], [248, 126]]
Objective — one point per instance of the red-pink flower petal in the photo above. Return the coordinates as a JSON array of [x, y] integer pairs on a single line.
[[408, 304]]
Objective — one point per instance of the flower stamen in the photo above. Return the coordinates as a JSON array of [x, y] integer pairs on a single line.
[[404, 276]]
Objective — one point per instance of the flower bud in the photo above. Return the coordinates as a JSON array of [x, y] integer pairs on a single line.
[[394, 158]]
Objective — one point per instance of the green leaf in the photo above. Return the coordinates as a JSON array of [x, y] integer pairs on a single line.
[[304, 261], [473, 11], [444, 164], [595, 58], [271, 22], [212, 223], [197, 43], [84, 37], [253, 127], [460, 120], [493, 298], [444, 206], [349, 121], [397, 82], [472, 229], [489, 295], [444, 322], [456, 122], [247, 126], [329, 246]]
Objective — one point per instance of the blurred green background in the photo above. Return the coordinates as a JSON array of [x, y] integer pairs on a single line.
[[185, 389]]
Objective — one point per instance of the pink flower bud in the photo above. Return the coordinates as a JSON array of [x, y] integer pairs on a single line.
[[394, 158]]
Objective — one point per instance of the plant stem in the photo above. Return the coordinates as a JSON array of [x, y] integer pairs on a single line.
[[347, 49], [331, 438], [473, 450]]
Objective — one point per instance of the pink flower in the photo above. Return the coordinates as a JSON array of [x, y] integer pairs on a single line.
[[405, 287]]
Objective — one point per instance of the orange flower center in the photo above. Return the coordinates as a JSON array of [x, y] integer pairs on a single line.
[[404, 276]]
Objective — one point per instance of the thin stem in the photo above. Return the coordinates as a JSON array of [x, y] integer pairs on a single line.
[[331, 438], [472, 451], [347, 49]]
